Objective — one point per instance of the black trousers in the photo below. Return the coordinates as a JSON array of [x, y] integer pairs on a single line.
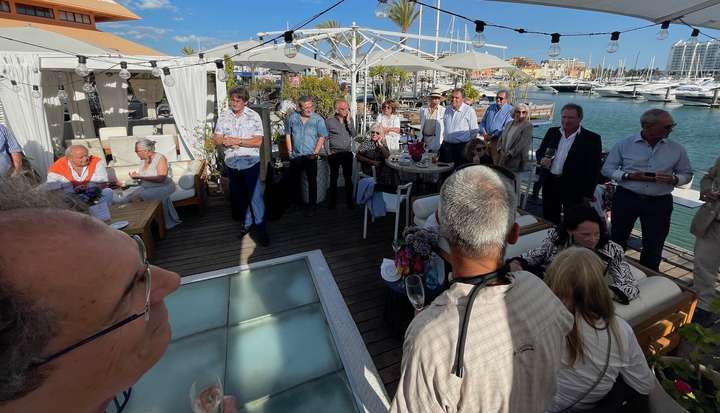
[[242, 187], [452, 152], [336, 160], [556, 197], [654, 213], [299, 165]]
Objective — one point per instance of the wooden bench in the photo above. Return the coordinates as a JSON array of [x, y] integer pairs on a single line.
[[141, 217]]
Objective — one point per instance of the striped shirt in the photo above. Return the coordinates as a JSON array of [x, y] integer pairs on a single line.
[[8, 145], [512, 353]]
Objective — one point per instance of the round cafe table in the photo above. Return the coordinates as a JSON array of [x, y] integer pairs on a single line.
[[413, 167]]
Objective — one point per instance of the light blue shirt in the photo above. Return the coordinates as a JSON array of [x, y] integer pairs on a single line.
[[634, 154], [8, 145], [495, 119], [460, 125], [305, 135], [245, 126]]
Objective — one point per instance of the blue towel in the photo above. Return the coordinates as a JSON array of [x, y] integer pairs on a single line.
[[366, 195]]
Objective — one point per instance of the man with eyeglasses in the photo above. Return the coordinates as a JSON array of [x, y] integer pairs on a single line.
[[77, 325], [490, 342], [647, 166], [496, 117], [461, 126]]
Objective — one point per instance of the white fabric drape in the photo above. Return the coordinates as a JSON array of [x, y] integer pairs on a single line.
[[24, 113], [149, 92], [188, 103], [79, 107], [112, 92], [221, 93], [54, 110]]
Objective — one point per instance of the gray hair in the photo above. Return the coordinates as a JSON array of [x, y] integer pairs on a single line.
[[652, 116], [25, 326], [71, 148], [477, 211], [378, 127], [503, 91], [522, 106], [145, 144]]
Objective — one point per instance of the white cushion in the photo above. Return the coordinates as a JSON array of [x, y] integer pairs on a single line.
[[527, 242], [423, 207], [123, 151], [181, 194], [637, 273], [110, 132], [655, 292], [391, 201], [185, 181], [525, 220], [143, 130]]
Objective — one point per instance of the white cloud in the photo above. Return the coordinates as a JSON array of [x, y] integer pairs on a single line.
[[178, 18], [203, 42], [154, 4], [137, 32]]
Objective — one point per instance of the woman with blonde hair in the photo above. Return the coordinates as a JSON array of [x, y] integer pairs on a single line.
[[515, 140], [390, 122], [601, 347], [371, 154]]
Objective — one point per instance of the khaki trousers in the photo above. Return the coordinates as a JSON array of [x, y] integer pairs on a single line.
[[707, 263]]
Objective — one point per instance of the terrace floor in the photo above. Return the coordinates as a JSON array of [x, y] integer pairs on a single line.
[[209, 242]]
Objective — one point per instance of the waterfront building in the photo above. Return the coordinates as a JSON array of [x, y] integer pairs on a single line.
[[559, 68], [694, 60]]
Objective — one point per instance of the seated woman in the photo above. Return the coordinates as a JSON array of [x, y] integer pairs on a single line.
[[601, 347], [155, 184], [583, 226], [372, 154], [476, 152]]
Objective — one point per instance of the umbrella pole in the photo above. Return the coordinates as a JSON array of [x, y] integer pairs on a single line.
[[365, 101], [353, 74]]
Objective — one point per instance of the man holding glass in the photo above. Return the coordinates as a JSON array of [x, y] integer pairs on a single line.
[[647, 166], [496, 117], [460, 126]]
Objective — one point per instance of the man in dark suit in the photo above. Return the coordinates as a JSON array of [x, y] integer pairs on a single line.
[[570, 155]]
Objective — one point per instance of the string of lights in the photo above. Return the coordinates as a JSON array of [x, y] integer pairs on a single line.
[[382, 11]]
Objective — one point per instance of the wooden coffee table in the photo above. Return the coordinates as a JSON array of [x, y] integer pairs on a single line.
[[141, 216]]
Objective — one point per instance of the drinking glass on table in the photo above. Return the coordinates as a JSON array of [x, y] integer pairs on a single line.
[[415, 291], [206, 394]]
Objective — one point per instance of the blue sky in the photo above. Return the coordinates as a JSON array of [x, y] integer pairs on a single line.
[[168, 25]]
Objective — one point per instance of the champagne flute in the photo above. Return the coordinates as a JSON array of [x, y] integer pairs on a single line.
[[415, 291], [206, 394]]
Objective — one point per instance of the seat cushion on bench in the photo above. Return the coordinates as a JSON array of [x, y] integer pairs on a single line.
[[655, 293], [423, 207], [526, 243], [637, 273]]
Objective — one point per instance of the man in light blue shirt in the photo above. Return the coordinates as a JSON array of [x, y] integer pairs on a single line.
[[461, 126], [10, 152], [305, 134], [239, 130], [496, 117], [647, 167]]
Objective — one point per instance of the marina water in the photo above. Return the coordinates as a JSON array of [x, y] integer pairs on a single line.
[[698, 130]]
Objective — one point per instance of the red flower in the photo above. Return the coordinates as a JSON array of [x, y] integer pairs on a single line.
[[418, 265], [682, 387]]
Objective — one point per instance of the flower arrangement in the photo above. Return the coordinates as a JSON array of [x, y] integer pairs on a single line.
[[416, 150], [414, 250], [88, 195]]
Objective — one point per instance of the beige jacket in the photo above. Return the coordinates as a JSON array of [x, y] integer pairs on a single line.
[[515, 158], [710, 212]]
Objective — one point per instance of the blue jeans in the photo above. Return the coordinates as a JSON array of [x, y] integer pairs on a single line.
[[243, 183]]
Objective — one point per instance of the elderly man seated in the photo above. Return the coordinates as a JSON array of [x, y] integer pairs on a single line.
[[77, 325], [76, 169]]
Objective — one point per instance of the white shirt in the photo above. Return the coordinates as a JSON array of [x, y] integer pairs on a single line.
[[563, 149], [246, 125], [100, 176], [460, 125], [626, 358], [392, 138], [435, 141]]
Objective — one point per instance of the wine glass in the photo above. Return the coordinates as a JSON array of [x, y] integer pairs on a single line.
[[550, 154], [396, 245], [206, 394], [415, 291]]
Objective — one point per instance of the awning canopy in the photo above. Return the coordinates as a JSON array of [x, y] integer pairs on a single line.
[[268, 56], [402, 60], [474, 61], [701, 13]]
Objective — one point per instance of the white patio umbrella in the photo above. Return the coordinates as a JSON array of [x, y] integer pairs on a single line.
[[474, 61], [401, 60], [702, 13], [45, 38], [268, 56]]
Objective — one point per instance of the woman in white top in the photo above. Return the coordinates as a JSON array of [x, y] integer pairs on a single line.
[[431, 121], [155, 183], [576, 276], [391, 124]]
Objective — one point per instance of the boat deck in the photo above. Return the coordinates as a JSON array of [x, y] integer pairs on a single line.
[[209, 242]]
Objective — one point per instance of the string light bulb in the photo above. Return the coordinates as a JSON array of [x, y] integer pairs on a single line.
[[124, 72], [478, 39], [221, 75], [693, 40], [664, 32], [554, 50], [36, 92], [382, 10], [168, 80], [156, 71], [290, 48], [201, 58], [82, 69], [15, 86], [614, 44], [62, 94]]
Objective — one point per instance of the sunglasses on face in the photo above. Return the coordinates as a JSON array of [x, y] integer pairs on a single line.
[[374, 133], [499, 98]]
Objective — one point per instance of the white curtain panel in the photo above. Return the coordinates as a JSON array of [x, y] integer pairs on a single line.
[[221, 94], [54, 109], [24, 113], [188, 103], [79, 107], [112, 92], [149, 92], [211, 100]]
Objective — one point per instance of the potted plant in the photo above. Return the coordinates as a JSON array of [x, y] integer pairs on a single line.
[[692, 382]]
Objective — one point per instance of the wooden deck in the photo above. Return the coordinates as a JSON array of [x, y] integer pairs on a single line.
[[209, 242]]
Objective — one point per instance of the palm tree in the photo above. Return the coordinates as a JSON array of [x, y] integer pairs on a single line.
[[329, 24], [403, 13], [187, 50]]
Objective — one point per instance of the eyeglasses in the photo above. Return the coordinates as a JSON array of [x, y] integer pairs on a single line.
[[145, 312], [374, 132], [499, 98]]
